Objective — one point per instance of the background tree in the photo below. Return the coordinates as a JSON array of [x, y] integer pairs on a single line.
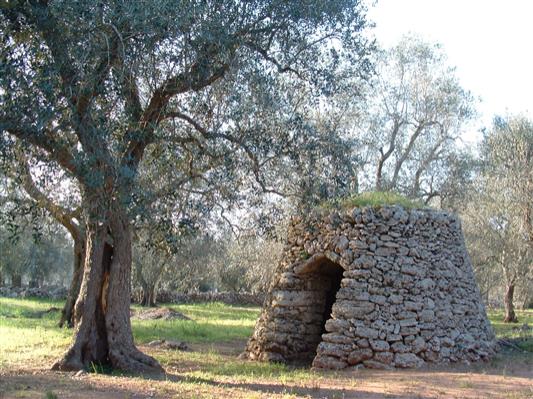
[[409, 126], [498, 220], [49, 194], [37, 256], [88, 87]]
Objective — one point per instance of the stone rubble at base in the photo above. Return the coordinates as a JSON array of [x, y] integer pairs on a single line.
[[407, 296]]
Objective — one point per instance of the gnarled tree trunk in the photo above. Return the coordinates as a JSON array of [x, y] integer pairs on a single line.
[[148, 295], [67, 314], [16, 280], [510, 316], [103, 334], [149, 291]]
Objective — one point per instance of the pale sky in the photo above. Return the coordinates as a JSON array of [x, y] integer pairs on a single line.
[[489, 41]]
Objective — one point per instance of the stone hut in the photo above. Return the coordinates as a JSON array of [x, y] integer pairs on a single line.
[[376, 287]]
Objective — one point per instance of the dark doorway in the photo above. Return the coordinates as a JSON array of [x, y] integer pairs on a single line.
[[324, 279], [334, 275]]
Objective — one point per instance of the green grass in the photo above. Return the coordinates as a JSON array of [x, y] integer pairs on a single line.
[[28, 334], [211, 322], [213, 365], [30, 337], [373, 199], [217, 332], [50, 395], [25, 337], [512, 330]]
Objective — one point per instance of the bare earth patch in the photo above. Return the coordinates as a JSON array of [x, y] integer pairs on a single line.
[[157, 314], [509, 376]]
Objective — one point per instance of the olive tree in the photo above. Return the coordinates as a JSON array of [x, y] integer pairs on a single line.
[[498, 219], [64, 212], [88, 88], [37, 253], [408, 128]]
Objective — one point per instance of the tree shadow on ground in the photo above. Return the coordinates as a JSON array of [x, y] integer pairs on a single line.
[[291, 389]]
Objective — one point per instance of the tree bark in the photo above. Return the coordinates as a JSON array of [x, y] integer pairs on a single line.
[[386, 155], [16, 280], [103, 334], [148, 298], [510, 316], [67, 314], [148, 295], [148, 289]]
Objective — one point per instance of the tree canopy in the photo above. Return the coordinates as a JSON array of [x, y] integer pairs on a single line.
[[88, 88]]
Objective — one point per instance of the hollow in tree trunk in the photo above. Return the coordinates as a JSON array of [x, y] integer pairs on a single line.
[[67, 314], [510, 316], [103, 334]]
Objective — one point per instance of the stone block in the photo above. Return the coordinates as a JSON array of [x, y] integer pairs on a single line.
[[384, 357], [418, 345], [408, 322], [379, 346], [328, 362], [400, 347], [337, 325], [385, 251], [410, 270], [373, 364], [329, 349], [358, 356], [407, 360], [337, 338], [427, 284], [366, 332], [342, 244], [410, 305], [427, 315], [379, 299], [351, 309], [395, 299], [394, 337], [406, 315]]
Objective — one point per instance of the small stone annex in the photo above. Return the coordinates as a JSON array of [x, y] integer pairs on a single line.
[[375, 287]]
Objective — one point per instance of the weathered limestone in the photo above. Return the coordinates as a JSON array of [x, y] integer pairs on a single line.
[[377, 288]]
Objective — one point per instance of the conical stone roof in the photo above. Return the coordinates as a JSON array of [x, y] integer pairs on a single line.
[[379, 287]]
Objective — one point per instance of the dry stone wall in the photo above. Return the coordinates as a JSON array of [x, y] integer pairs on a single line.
[[378, 288]]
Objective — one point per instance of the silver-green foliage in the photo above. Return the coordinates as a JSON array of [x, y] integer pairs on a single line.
[[498, 218], [408, 127]]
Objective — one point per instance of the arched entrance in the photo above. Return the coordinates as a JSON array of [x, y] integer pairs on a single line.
[[323, 278]]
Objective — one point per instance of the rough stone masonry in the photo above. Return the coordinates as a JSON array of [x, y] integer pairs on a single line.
[[375, 287]]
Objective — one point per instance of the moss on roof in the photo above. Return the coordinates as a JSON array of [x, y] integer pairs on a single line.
[[373, 199]]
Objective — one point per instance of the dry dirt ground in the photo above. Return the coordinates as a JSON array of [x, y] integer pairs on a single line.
[[508, 376]]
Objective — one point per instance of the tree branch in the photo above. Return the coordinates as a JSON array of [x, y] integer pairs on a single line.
[[194, 80], [43, 139], [256, 165], [60, 214], [269, 58], [385, 155]]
